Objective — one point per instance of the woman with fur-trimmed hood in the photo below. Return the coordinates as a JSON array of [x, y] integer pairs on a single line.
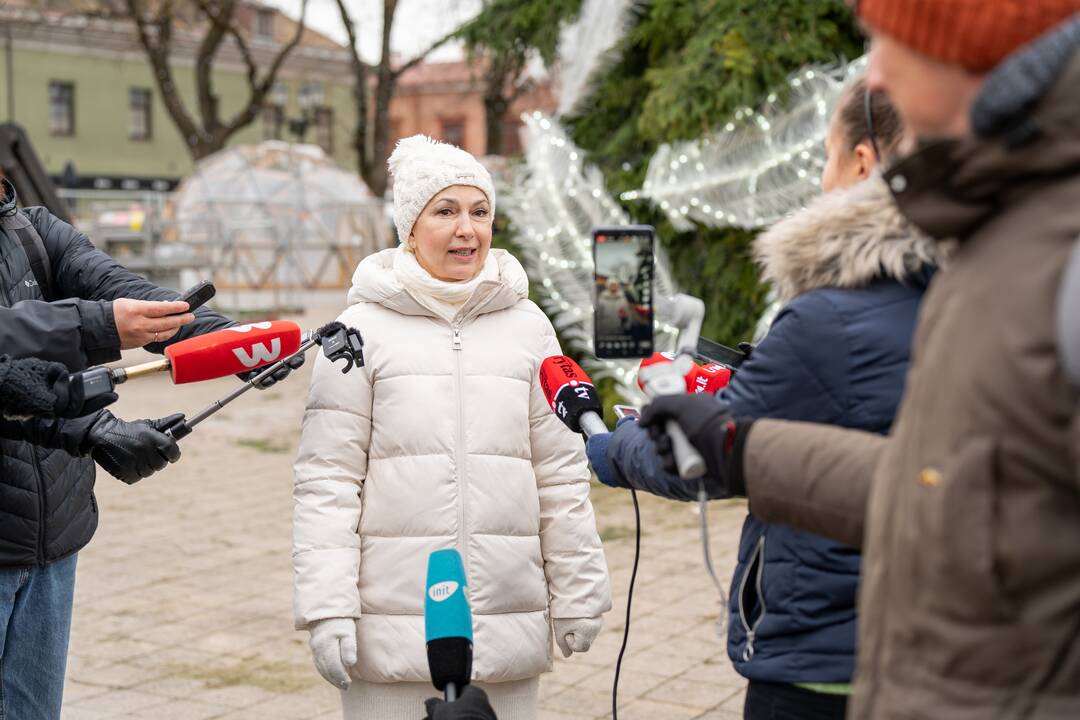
[[851, 273]]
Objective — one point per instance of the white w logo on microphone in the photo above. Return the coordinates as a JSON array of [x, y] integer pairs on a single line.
[[259, 353]]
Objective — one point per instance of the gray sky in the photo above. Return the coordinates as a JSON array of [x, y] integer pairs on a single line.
[[417, 23]]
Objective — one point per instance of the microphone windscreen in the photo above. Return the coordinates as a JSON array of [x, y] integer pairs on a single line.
[[447, 620], [569, 390], [232, 350], [709, 378]]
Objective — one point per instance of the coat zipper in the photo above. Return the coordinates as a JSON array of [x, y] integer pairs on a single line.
[[41, 505], [757, 559], [462, 477]]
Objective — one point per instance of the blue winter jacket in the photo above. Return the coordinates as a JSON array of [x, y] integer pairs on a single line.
[[834, 355]]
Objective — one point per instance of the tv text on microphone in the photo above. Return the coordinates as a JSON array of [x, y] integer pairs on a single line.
[[572, 395]]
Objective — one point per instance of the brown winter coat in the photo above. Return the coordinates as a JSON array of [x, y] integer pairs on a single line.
[[968, 514]]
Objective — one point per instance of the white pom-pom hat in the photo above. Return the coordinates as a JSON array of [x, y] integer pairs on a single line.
[[422, 168]]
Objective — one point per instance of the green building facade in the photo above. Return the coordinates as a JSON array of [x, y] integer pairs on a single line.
[[83, 90]]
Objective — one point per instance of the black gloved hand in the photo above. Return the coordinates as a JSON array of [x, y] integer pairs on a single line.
[[131, 451], [70, 392], [711, 428], [472, 705], [291, 363]]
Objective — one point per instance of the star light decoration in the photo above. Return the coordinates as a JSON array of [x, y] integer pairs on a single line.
[[757, 167], [554, 202]]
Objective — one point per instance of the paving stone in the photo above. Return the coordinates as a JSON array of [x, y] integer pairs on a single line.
[[702, 696], [181, 710]]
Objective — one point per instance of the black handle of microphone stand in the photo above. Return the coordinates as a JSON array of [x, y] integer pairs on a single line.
[[183, 427]]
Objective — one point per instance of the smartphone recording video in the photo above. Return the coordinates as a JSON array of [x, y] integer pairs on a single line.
[[623, 291]]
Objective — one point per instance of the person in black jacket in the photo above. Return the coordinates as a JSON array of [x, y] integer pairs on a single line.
[[851, 274], [62, 299]]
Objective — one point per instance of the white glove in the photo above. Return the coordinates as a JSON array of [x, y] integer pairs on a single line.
[[576, 634], [333, 647]]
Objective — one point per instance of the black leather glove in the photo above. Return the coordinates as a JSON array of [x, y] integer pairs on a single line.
[[291, 363], [711, 428], [131, 451], [472, 705]]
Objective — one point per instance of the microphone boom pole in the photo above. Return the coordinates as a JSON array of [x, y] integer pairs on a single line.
[[338, 342]]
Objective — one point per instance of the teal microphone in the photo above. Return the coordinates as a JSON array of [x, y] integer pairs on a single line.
[[448, 623]]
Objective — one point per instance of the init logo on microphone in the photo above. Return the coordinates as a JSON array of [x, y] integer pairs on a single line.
[[440, 592]]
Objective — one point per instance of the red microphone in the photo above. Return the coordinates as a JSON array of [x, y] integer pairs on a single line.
[[572, 395], [221, 353], [709, 378]]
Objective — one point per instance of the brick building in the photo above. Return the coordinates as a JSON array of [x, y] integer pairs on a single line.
[[445, 100]]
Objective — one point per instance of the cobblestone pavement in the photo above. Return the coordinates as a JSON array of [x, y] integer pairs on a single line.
[[183, 601]]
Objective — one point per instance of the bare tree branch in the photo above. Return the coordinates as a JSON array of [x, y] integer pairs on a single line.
[[423, 54], [229, 25], [360, 86], [158, 54], [259, 90], [204, 63]]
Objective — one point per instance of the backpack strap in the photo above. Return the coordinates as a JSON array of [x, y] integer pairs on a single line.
[[34, 247], [1068, 317]]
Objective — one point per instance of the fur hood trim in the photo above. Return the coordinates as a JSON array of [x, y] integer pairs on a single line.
[[846, 239]]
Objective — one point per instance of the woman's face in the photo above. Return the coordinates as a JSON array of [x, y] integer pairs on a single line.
[[452, 235], [845, 167]]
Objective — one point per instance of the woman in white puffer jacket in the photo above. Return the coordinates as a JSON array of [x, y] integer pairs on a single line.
[[443, 439]]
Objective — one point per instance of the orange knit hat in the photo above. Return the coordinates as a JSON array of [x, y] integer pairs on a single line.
[[976, 34]]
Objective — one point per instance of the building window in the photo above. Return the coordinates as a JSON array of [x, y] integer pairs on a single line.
[[511, 137], [453, 131], [264, 23], [273, 117], [139, 127], [61, 108], [324, 129]]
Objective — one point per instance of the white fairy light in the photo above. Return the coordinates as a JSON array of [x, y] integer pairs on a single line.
[[759, 166]]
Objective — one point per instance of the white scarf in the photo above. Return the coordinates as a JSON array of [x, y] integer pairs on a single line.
[[441, 297]]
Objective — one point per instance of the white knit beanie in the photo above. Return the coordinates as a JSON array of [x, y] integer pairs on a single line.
[[422, 168]]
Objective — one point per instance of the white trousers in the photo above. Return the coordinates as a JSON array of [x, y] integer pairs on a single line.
[[405, 701]]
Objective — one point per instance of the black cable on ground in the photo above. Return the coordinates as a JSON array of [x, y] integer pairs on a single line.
[[629, 603]]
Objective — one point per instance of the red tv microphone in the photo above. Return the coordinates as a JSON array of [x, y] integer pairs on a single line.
[[708, 378], [221, 353], [572, 395]]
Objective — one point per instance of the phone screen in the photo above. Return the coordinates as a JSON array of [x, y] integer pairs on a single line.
[[623, 291]]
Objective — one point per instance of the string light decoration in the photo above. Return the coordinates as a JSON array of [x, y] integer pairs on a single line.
[[554, 202], [584, 45], [757, 167]]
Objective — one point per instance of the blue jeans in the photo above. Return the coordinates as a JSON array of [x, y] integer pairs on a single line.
[[35, 625]]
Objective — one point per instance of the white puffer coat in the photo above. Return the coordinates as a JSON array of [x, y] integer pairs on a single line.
[[444, 439]]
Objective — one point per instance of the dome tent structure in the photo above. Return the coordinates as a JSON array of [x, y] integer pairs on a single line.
[[276, 216]]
